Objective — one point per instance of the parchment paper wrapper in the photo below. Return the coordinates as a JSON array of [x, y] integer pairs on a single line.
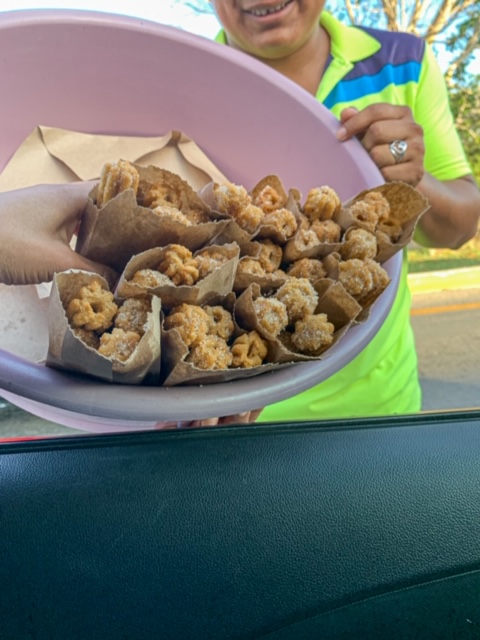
[[407, 205], [122, 228], [233, 232], [340, 307], [51, 155], [271, 279], [210, 290], [180, 372], [295, 249], [331, 264], [66, 351]]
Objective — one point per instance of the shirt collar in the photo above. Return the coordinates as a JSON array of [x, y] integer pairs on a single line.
[[347, 43]]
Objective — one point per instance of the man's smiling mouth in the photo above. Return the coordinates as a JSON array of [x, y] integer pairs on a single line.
[[264, 11]]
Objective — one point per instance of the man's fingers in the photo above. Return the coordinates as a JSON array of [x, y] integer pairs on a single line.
[[359, 123]]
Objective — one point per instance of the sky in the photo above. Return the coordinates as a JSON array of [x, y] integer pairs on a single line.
[[170, 12]]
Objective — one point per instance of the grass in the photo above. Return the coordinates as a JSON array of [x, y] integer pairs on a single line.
[[421, 259]]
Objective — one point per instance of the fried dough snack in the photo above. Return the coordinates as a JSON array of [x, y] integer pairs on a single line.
[[179, 265], [380, 278], [270, 255], [309, 268], [93, 309], [118, 344], [165, 211], [211, 352], [150, 278], [172, 193], [250, 218], [268, 199], [191, 322], [153, 195], [312, 334], [299, 298], [327, 230], [208, 260], [133, 315], [282, 223], [271, 315], [355, 277], [390, 230], [378, 203], [306, 239], [115, 178], [249, 350], [251, 266], [364, 213], [322, 203], [231, 198], [359, 243], [90, 338], [221, 322]]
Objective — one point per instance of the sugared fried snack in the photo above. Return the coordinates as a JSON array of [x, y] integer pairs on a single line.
[[327, 230], [165, 211], [211, 352], [118, 344], [312, 334], [364, 213], [249, 218], [380, 277], [208, 260], [270, 255], [306, 238], [271, 315], [90, 338], [179, 265], [251, 266], [299, 298], [231, 198], [93, 309], [378, 203], [356, 277], [191, 322], [249, 350], [150, 278], [391, 230], [322, 203], [197, 216], [359, 243], [133, 315], [221, 321], [309, 268], [282, 223], [153, 195], [268, 199], [115, 178]]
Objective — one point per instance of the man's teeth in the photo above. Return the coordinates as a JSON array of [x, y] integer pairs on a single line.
[[265, 12]]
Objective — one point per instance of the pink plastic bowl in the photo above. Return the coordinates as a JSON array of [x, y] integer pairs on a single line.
[[101, 73]]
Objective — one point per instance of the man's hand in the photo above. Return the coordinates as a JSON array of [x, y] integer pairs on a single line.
[[377, 126]]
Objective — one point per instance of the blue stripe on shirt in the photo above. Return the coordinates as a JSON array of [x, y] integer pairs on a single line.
[[350, 90]]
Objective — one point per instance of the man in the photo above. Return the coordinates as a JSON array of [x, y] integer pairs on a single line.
[[387, 90]]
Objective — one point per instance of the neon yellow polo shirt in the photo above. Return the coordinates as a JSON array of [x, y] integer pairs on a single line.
[[368, 66]]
